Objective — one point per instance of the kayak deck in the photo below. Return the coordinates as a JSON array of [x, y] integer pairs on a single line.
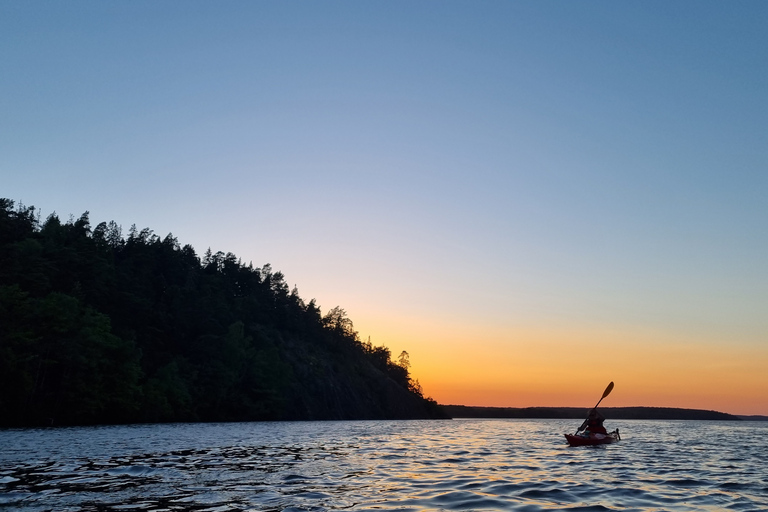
[[592, 439]]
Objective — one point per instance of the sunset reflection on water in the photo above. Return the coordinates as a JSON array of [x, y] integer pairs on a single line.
[[384, 465]]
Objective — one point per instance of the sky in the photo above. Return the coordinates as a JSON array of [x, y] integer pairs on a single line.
[[532, 198]]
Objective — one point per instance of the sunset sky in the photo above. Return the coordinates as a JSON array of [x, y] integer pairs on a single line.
[[533, 198]]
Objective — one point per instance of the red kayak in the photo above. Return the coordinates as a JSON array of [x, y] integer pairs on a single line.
[[584, 439]]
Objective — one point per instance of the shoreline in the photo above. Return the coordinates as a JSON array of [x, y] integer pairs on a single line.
[[618, 413]]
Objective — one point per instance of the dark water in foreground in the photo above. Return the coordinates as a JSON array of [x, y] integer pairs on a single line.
[[521, 465]]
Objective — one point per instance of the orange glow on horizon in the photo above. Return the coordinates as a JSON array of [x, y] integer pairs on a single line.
[[559, 367]]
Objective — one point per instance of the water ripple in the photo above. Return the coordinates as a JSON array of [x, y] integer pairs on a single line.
[[409, 466]]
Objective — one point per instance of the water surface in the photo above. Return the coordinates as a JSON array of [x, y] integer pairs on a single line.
[[521, 465]]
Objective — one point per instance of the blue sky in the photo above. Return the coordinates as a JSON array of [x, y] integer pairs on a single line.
[[475, 168]]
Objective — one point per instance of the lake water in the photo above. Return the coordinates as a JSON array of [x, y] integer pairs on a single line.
[[521, 465]]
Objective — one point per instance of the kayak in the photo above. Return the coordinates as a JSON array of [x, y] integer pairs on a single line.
[[592, 439]]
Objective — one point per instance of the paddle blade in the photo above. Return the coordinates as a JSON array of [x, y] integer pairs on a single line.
[[608, 390]]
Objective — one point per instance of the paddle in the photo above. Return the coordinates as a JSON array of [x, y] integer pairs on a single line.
[[605, 394]]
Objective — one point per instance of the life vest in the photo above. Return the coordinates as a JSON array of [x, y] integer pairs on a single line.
[[595, 425]]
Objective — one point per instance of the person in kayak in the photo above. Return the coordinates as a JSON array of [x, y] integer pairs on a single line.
[[594, 423]]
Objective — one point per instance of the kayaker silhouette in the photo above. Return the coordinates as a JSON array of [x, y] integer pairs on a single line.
[[592, 431], [593, 424]]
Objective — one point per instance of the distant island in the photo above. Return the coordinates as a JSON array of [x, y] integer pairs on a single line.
[[618, 413], [754, 417], [98, 326]]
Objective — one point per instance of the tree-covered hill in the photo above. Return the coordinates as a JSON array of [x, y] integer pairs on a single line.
[[98, 327]]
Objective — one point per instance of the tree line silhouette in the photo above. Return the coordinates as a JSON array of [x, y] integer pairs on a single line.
[[98, 327]]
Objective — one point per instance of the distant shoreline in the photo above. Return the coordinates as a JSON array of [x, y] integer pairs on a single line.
[[618, 413]]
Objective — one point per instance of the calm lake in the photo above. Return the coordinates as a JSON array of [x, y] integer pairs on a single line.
[[521, 465]]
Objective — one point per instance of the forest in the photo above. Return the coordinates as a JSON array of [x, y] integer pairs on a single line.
[[98, 327]]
